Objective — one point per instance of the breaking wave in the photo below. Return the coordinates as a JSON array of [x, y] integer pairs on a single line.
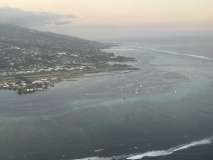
[[102, 158], [94, 158], [171, 150], [153, 153], [178, 54]]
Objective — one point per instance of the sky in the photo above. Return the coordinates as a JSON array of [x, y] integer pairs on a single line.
[[111, 19]]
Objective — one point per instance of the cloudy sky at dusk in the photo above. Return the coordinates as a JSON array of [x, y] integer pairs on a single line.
[[102, 19]]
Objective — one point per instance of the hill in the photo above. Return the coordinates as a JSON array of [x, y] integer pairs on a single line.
[[29, 55]]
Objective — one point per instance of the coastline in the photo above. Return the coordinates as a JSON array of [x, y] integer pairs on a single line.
[[46, 79], [165, 98]]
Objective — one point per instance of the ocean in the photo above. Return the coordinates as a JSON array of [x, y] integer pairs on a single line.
[[163, 111]]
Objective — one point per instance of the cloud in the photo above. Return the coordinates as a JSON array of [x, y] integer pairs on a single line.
[[98, 26], [32, 18]]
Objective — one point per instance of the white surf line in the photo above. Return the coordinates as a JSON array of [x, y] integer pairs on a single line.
[[174, 53], [154, 153], [171, 150], [90, 158], [101, 158]]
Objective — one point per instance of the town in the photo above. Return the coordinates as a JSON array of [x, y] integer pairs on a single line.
[[29, 52], [24, 87]]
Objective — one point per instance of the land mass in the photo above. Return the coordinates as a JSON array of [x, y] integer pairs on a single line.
[[32, 60]]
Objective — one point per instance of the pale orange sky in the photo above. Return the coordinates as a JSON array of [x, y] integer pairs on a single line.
[[124, 16]]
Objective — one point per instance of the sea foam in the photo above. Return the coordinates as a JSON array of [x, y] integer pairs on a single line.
[[174, 53], [170, 151], [154, 153]]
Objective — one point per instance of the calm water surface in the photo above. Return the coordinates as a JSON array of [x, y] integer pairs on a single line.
[[162, 111]]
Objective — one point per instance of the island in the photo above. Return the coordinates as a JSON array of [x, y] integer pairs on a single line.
[[32, 60]]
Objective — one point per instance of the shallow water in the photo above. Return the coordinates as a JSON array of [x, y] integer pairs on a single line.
[[168, 105]]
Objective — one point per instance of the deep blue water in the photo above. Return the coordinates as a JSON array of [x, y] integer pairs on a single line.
[[167, 112]]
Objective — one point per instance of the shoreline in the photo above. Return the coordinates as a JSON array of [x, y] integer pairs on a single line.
[[30, 83]]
